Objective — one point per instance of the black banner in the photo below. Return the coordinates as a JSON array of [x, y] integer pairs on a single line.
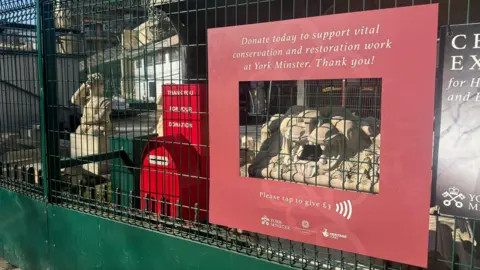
[[458, 122]]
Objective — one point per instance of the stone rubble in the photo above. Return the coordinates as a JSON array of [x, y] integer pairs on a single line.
[[328, 146]]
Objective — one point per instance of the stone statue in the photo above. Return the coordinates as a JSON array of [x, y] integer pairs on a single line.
[[96, 109], [269, 127], [267, 163], [91, 137], [329, 146]]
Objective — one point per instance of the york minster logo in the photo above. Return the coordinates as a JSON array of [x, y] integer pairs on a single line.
[[265, 221], [453, 195]]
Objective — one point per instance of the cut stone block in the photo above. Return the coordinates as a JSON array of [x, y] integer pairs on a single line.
[[247, 142], [82, 145], [244, 170], [246, 156], [444, 240]]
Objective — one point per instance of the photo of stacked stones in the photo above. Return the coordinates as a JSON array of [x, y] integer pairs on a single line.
[[328, 146]]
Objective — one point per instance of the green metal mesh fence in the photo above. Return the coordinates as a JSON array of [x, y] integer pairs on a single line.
[[20, 146], [106, 68]]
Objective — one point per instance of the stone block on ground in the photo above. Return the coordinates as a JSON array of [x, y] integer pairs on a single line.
[[449, 236], [82, 145]]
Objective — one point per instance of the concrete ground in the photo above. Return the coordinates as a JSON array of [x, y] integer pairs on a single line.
[[4, 265]]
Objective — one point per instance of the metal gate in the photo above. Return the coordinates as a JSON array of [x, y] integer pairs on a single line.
[[81, 88]]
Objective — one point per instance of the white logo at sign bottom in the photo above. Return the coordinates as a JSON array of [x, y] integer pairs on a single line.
[[305, 224], [333, 235], [276, 223], [265, 221]]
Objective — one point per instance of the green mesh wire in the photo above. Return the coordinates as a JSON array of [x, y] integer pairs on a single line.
[[20, 146]]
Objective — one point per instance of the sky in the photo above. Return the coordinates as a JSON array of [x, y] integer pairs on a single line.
[[18, 11]]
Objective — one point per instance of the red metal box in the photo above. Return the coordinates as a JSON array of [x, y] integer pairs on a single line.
[[170, 181]]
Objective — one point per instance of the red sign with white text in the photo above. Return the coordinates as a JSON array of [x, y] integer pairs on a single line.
[[396, 45], [184, 112]]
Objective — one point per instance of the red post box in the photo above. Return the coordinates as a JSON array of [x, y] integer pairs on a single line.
[[174, 171], [170, 181]]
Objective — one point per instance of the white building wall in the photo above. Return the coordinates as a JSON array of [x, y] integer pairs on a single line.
[[168, 72]]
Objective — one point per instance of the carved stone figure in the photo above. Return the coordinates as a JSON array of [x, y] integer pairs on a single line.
[[267, 163], [96, 109], [329, 146], [91, 137], [270, 127]]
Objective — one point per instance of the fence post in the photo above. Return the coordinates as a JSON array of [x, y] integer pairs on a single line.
[[47, 66]]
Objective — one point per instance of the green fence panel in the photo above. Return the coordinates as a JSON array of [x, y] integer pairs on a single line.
[[84, 241], [23, 231], [20, 144]]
